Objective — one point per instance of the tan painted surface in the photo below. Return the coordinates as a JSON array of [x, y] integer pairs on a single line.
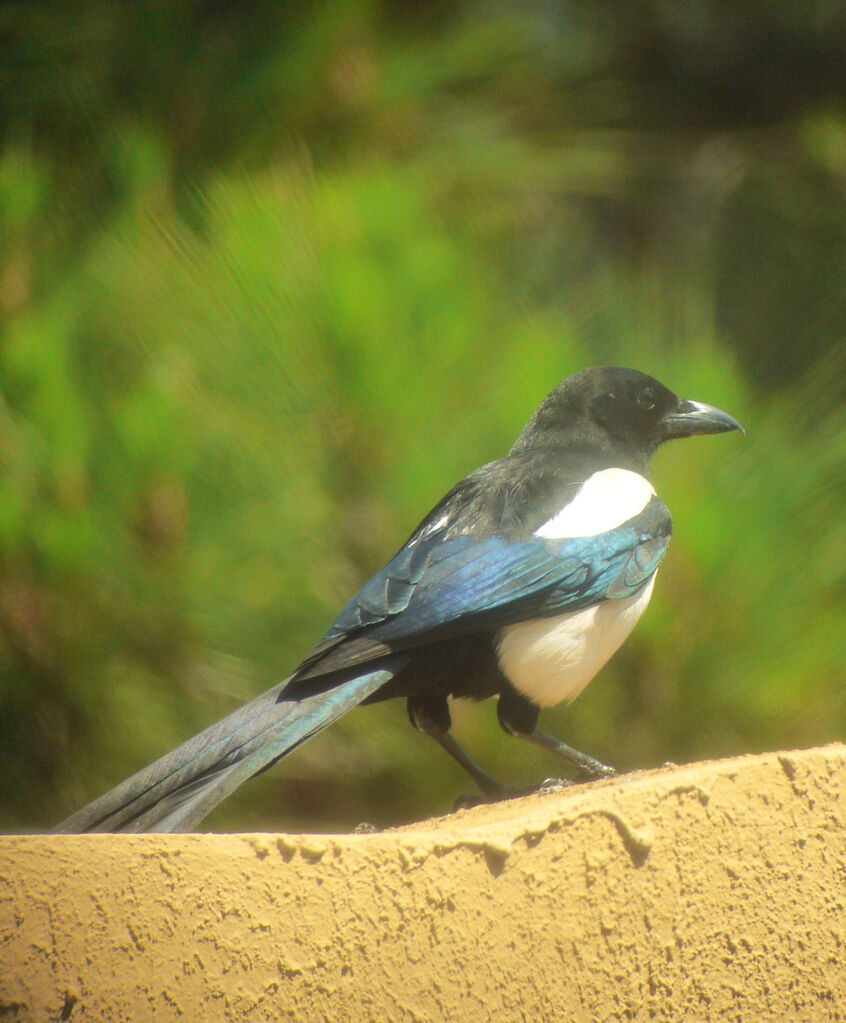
[[714, 891]]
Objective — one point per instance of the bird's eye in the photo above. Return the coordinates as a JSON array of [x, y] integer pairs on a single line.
[[646, 399]]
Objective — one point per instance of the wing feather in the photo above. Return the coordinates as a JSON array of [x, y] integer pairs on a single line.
[[437, 588]]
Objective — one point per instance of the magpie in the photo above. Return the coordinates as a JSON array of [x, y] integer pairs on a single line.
[[521, 583]]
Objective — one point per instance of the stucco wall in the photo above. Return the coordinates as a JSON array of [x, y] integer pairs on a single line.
[[713, 891]]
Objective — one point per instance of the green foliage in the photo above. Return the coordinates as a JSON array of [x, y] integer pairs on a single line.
[[312, 268]]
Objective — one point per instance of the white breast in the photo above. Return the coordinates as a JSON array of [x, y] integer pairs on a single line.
[[552, 659]]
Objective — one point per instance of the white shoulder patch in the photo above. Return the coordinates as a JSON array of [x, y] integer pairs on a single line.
[[605, 500]]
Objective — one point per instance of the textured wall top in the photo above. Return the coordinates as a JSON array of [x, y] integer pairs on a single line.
[[714, 891]]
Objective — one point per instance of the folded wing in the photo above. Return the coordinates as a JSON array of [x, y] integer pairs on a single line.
[[435, 588]]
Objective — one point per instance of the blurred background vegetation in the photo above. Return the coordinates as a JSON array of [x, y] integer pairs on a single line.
[[274, 276]]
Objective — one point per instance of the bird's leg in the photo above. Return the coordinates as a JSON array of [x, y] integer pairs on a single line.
[[588, 765], [519, 717], [431, 715]]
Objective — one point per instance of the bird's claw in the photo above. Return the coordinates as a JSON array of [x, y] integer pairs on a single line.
[[467, 801], [549, 786], [597, 770]]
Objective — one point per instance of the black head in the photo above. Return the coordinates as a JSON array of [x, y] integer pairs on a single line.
[[621, 411]]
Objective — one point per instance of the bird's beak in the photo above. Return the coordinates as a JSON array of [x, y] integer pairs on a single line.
[[691, 417]]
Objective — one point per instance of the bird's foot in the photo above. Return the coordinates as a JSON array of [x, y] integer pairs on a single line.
[[593, 770], [498, 795], [550, 786], [467, 801]]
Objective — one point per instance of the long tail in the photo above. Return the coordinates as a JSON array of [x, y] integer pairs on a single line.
[[179, 789]]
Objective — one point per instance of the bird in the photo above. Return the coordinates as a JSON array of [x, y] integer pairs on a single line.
[[520, 584]]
